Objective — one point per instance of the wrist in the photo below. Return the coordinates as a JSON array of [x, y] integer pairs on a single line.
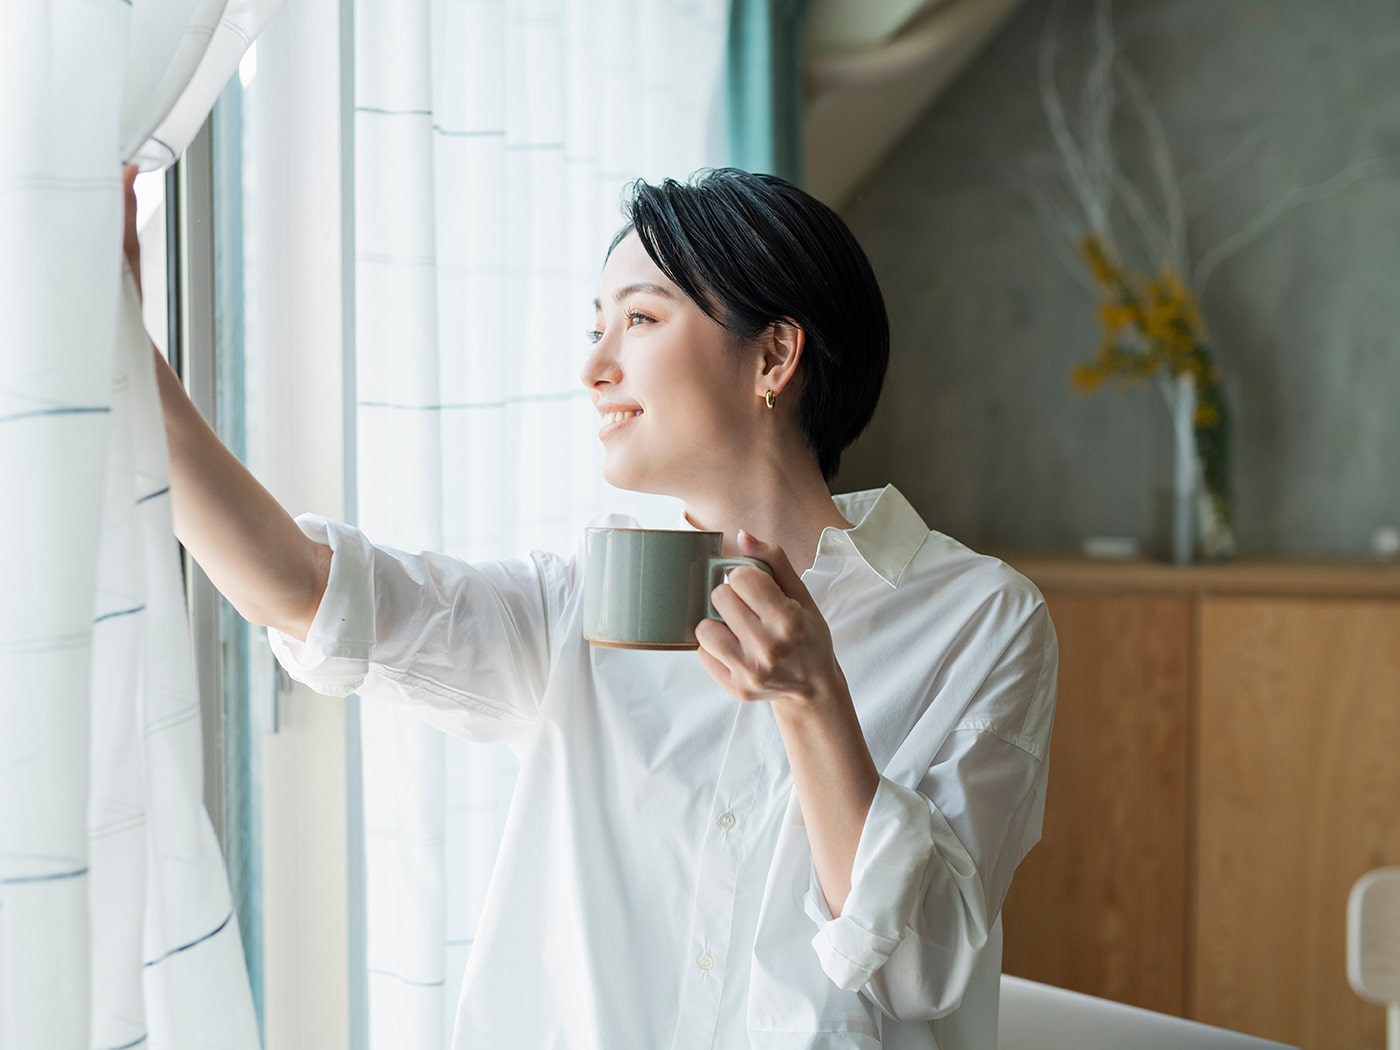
[[824, 705]]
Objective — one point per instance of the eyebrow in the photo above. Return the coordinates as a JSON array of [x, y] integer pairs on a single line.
[[638, 286]]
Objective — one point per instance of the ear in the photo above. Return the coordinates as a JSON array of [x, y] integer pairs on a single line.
[[782, 345]]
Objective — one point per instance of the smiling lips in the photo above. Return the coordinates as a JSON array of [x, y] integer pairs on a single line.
[[613, 420]]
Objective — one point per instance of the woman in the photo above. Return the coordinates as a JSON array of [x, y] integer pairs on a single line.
[[818, 865]]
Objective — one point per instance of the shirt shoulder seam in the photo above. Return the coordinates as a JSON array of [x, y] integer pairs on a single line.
[[1020, 741]]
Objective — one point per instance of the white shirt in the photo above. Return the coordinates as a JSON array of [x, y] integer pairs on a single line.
[[655, 886]]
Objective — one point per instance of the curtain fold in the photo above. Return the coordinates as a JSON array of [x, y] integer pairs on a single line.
[[492, 144], [116, 927]]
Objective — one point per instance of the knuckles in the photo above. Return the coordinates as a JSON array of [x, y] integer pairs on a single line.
[[788, 625], [765, 661], [751, 685]]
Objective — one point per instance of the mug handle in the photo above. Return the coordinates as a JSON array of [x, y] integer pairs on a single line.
[[721, 565]]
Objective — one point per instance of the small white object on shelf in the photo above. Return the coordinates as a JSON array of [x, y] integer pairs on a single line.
[[1385, 543], [1119, 547]]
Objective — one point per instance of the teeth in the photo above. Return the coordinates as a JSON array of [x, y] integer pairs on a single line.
[[618, 417]]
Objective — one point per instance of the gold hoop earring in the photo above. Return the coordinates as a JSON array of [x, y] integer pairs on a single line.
[[770, 399]]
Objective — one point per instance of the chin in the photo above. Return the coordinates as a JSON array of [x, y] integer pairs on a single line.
[[619, 476], [630, 478]]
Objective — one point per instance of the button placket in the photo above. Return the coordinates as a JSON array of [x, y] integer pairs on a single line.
[[745, 766]]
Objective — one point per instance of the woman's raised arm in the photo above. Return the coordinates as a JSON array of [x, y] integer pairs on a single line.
[[251, 549]]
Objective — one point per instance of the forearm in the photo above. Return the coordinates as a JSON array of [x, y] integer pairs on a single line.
[[835, 779], [251, 549]]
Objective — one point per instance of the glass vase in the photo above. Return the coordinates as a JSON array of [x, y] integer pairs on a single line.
[[1202, 518]]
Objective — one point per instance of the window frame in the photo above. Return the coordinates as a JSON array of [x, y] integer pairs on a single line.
[[205, 351]]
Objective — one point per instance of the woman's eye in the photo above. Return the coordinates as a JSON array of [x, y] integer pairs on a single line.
[[637, 317], [593, 335]]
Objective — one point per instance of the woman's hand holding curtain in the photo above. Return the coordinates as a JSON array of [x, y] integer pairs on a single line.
[[131, 239]]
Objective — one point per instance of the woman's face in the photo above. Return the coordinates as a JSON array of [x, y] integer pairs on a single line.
[[677, 398]]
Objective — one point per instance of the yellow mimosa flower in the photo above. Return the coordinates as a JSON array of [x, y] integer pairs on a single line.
[[1114, 317], [1085, 378], [1094, 254]]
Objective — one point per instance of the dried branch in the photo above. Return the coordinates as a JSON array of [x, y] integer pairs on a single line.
[[1173, 223], [1154, 239], [1083, 174], [1199, 187], [1065, 230], [1077, 190], [1291, 200]]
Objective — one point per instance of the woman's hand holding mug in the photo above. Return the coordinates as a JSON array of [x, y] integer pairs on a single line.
[[773, 643]]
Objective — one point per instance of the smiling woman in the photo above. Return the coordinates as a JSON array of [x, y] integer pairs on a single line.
[[665, 378], [711, 296], [807, 827]]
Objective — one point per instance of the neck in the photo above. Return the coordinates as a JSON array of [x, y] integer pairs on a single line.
[[775, 504]]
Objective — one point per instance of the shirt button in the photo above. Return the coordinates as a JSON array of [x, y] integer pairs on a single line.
[[706, 961], [726, 821]]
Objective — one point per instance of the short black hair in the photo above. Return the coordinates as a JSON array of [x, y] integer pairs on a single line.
[[752, 249]]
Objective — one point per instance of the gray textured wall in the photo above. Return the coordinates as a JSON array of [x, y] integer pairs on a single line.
[[978, 424]]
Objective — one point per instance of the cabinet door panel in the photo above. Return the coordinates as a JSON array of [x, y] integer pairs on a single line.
[[1099, 906], [1299, 795]]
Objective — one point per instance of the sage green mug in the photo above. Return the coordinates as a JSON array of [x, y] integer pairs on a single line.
[[648, 588]]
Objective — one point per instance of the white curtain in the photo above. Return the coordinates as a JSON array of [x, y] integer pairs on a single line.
[[493, 140], [116, 927]]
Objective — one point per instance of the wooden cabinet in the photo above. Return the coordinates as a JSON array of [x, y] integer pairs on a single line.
[[1298, 747], [1225, 764], [1101, 902]]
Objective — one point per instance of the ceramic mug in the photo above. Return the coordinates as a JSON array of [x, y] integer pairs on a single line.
[[648, 588]]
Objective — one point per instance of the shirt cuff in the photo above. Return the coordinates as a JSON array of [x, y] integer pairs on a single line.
[[334, 659], [895, 847]]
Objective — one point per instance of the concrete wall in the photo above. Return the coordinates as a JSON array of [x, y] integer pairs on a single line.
[[978, 424]]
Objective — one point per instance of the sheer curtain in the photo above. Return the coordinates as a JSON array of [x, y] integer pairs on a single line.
[[116, 927], [492, 143]]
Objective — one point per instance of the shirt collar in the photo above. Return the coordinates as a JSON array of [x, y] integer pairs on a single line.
[[887, 531]]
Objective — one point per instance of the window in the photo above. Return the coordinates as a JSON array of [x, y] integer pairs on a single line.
[[188, 219]]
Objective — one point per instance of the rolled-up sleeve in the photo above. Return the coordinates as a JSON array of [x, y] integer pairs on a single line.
[[334, 659], [466, 645], [935, 858], [895, 847]]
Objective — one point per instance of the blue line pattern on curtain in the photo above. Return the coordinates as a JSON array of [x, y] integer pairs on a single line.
[[198, 940], [121, 612], [519, 399], [17, 880]]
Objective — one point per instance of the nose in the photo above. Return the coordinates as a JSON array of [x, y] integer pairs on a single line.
[[600, 367]]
